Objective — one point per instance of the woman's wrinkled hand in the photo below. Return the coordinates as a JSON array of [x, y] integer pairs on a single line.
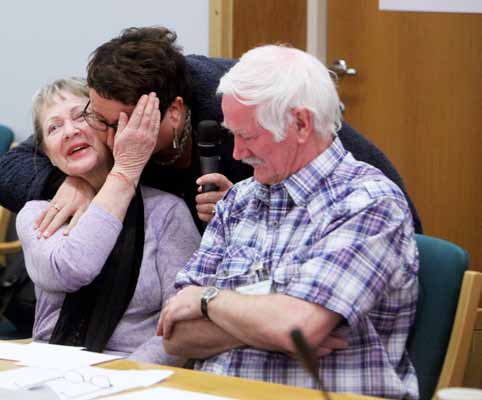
[[136, 137]]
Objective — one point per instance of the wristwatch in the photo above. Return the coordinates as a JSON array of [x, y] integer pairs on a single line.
[[209, 293]]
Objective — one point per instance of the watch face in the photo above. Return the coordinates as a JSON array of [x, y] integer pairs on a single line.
[[210, 292]]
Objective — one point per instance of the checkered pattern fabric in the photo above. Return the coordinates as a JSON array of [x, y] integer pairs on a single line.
[[337, 233]]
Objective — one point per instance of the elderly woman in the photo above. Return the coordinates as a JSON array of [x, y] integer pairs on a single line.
[[104, 285]]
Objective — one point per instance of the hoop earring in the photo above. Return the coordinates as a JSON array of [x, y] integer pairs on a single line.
[[175, 140]]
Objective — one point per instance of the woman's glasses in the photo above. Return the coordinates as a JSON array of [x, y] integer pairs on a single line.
[[95, 122]]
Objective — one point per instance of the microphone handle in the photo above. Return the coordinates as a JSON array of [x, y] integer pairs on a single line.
[[209, 165], [307, 358], [210, 187]]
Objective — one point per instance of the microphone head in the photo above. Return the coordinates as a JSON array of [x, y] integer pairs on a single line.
[[208, 133]]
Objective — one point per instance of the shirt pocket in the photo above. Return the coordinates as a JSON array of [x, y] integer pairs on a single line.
[[287, 271], [238, 268]]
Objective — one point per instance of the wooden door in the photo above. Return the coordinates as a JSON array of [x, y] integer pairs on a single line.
[[239, 25], [418, 96]]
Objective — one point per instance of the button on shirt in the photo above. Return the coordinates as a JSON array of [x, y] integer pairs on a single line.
[[337, 233]]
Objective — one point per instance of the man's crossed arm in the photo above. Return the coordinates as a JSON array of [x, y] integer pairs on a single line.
[[259, 321]]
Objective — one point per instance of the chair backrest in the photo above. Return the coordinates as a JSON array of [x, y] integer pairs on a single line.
[[455, 370], [473, 370], [6, 140], [442, 267]]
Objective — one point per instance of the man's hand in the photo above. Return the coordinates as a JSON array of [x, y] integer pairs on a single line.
[[71, 200], [136, 138], [333, 342], [183, 306], [206, 202]]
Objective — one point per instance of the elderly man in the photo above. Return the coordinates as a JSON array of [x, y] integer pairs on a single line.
[[315, 240]]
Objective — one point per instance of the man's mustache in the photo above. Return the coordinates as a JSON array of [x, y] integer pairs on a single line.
[[253, 161]]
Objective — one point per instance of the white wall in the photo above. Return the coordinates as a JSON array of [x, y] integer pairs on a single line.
[[44, 40]]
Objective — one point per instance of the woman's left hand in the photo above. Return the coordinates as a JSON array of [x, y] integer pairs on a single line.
[[136, 137]]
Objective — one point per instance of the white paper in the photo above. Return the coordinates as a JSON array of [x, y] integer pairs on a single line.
[[167, 393], [63, 358], [12, 351], [51, 356], [455, 6], [82, 383], [44, 346], [20, 377]]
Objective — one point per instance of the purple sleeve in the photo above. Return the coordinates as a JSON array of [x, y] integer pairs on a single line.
[[153, 352], [178, 238], [178, 241], [67, 263]]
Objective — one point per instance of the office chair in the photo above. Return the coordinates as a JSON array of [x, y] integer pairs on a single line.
[[6, 140], [446, 310], [7, 330]]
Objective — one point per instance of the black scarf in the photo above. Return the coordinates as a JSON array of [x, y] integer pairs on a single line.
[[89, 316]]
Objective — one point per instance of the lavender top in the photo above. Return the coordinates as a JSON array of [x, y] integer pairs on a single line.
[[63, 264]]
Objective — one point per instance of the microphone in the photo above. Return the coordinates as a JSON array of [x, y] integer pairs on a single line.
[[305, 356], [209, 133]]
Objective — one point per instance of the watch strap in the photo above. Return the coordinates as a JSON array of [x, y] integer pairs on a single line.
[[204, 308], [209, 293]]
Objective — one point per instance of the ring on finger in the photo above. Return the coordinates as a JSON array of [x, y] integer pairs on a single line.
[[56, 207], [213, 211]]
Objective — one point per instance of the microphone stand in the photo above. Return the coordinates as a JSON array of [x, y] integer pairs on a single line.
[[304, 355]]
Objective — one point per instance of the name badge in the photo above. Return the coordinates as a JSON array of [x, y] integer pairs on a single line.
[[262, 287]]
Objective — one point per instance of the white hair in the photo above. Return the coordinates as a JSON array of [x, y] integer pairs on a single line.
[[276, 79]]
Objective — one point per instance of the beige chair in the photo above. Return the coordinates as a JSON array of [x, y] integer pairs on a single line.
[[468, 320], [6, 247], [473, 372], [439, 342]]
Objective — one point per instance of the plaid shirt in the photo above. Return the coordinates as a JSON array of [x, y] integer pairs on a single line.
[[337, 233]]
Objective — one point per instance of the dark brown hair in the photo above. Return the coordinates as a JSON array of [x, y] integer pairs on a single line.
[[140, 61]]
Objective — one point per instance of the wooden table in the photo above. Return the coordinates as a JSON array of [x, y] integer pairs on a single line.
[[203, 382]]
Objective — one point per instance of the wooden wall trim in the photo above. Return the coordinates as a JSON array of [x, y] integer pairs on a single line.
[[221, 28], [235, 26]]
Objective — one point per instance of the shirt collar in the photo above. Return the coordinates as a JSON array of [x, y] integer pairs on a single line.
[[261, 192], [302, 185]]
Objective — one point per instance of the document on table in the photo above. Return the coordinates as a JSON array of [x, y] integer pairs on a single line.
[[80, 383], [51, 355], [40, 394], [167, 393], [12, 351]]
